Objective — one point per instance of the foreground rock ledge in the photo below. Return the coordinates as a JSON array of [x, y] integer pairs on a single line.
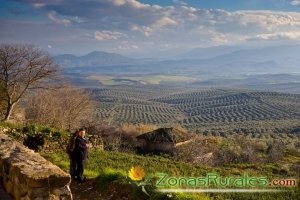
[[27, 175]]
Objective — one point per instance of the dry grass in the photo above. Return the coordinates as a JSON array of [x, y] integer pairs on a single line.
[[136, 130]]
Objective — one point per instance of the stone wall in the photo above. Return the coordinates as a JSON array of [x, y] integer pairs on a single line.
[[26, 175], [54, 144]]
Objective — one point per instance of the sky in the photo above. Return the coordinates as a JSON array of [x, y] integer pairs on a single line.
[[145, 26]]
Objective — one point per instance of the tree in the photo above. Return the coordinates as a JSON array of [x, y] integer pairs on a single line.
[[2, 99], [23, 67], [65, 107]]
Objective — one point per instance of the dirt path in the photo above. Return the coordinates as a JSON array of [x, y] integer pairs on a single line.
[[88, 191], [85, 191]]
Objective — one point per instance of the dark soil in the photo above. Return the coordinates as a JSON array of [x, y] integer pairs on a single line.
[[89, 191]]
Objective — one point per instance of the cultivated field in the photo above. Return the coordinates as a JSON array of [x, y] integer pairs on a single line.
[[141, 78], [198, 108]]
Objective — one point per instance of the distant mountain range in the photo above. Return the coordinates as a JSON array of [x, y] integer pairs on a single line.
[[206, 61], [238, 60], [275, 68], [209, 52], [95, 58]]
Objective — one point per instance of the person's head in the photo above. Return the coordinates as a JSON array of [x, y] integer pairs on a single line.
[[81, 132]]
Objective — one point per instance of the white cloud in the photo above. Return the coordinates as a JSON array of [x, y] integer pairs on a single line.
[[180, 25], [52, 17], [146, 30], [77, 19], [295, 2], [180, 2], [218, 38], [108, 35], [130, 3], [127, 47], [156, 26], [275, 36], [38, 5], [268, 20], [119, 2], [164, 21]]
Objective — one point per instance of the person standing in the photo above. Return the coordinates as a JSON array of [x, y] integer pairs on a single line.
[[80, 155]]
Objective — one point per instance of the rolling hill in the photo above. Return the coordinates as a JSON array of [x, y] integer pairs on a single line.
[[196, 108]]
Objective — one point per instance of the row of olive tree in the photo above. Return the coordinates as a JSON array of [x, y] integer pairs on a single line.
[[30, 78]]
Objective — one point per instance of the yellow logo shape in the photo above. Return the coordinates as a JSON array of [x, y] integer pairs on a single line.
[[136, 173]]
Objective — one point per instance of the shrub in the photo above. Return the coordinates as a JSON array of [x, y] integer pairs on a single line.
[[30, 130], [35, 142]]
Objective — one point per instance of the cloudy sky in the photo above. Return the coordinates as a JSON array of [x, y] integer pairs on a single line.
[[131, 26]]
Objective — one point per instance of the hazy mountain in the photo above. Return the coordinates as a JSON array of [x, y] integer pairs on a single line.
[[222, 61], [268, 68], [260, 54], [66, 60], [209, 52], [100, 57], [273, 59], [95, 58]]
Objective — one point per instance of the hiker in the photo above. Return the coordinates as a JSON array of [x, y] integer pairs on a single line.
[[80, 155], [70, 152]]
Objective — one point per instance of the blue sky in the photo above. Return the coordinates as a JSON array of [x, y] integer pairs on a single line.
[[130, 26], [231, 5]]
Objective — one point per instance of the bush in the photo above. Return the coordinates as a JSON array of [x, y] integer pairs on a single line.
[[57, 134], [30, 130], [34, 142], [46, 130]]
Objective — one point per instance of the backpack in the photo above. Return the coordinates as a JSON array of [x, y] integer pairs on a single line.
[[71, 145]]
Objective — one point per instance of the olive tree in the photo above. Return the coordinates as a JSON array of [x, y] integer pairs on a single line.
[[22, 67]]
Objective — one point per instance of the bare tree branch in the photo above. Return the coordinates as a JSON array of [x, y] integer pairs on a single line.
[[65, 107], [23, 67]]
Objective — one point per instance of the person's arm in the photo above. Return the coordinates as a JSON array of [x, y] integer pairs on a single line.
[[82, 145], [82, 148]]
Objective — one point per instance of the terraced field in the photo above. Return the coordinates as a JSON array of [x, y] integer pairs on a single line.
[[194, 108]]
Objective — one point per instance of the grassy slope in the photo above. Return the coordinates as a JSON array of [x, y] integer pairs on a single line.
[[103, 164], [100, 160]]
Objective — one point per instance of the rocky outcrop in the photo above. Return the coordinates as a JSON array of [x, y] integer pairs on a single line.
[[27, 175]]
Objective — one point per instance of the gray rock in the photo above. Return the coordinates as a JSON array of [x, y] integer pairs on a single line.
[[27, 175]]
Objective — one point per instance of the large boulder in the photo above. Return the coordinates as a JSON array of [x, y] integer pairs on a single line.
[[27, 175]]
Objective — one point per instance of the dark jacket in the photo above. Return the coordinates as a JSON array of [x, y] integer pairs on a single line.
[[80, 150]]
